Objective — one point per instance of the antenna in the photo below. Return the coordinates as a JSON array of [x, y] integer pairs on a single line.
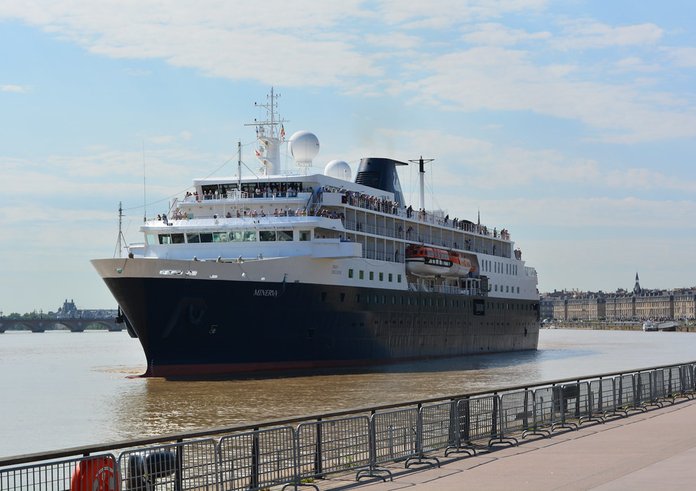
[[239, 166], [144, 188], [121, 240], [421, 176]]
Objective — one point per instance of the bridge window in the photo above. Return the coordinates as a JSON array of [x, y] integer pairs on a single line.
[[165, 239], [151, 239], [193, 238], [284, 235], [267, 235]]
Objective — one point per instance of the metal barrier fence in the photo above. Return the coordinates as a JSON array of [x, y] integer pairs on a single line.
[[300, 452]]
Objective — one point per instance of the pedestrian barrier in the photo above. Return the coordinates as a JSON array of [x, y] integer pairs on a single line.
[[300, 452], [329, 446], [76, 474], [185, 465], [258, 459], [516, 411], [626, 396]]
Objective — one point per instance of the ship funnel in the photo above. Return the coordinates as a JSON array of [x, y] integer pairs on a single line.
[[381, 174]]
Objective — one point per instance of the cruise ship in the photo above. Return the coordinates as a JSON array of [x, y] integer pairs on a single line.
[[287, 271]]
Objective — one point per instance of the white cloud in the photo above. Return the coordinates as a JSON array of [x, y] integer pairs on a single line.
[[394, 40], [588, 33], [221, 39], [322, 44], [17, 89], [446, 13], [508, 80], [493, 34], [682, 56], [636, 64]]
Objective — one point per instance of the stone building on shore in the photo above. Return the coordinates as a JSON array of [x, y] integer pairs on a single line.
[[623, 305]]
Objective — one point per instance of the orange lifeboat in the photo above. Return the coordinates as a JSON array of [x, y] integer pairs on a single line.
[[428, 261], [461, 266], [431, 261]]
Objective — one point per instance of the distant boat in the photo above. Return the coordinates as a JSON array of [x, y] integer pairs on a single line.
[[662, 326]]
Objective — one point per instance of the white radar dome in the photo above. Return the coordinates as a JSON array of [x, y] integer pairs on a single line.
[[304, 146], [338, 169]]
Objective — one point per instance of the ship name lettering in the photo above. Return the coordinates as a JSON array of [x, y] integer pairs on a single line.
[[265, 293]]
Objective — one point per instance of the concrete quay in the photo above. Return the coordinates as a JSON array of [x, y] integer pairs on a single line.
[[650, 450]]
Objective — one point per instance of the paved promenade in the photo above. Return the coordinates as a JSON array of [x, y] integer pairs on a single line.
[[651, 450]]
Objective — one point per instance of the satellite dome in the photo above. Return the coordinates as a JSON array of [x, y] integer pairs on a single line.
[[338, 169], [304, 146]]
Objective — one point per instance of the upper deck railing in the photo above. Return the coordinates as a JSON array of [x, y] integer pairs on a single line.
[[314, 200]]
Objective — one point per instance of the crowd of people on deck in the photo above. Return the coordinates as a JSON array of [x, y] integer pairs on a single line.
[[352, 198]]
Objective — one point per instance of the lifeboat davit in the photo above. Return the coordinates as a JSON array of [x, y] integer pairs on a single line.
[[430, 261]]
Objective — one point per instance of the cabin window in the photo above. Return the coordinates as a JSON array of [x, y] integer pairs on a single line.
[[165, 239], [193, 238], [267, 235], [398, 278], [381, 276], [237, 236], [220, 237], [390, 277], [177, 238], [284, 235], [372, 275], [206, 237], [305, 235], [350, 273], [249, 236], [361, 274]]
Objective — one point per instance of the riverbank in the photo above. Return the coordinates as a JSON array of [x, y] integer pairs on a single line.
[[684, 326]]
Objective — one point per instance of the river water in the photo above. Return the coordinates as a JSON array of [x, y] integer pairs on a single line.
[[63, 389]]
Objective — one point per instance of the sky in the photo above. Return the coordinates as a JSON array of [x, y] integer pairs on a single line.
[[570, 123]]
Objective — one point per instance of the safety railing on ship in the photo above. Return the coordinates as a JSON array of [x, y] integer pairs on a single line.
[[300, 452]]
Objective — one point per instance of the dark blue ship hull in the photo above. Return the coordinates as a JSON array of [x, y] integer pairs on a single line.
[[203, 327]]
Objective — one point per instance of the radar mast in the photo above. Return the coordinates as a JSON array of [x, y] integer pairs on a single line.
[[270, 133]]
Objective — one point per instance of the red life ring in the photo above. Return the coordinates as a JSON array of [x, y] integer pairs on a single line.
[[96, 474]]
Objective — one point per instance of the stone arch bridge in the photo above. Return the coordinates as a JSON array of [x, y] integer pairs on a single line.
[[51, 324]]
